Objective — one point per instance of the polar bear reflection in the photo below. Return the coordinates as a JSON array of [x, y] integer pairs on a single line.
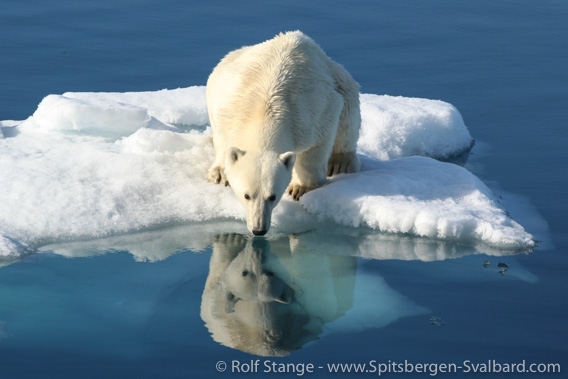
[[262, 298], [246, 278]]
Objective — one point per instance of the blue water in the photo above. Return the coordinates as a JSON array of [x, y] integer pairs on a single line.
[[502, 64]]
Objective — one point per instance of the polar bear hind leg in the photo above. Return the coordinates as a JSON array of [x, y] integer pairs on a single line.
[[343, 157]]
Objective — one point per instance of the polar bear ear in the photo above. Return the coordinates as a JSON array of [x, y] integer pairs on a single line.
[[288, 159], [234, 154]]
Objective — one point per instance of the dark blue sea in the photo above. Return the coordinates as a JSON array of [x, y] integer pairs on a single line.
[[503, 64]]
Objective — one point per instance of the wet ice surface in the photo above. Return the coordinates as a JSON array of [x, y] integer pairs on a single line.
[[89, 165]]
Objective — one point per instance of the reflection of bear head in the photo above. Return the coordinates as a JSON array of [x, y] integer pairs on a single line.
[[245, 278], [247, 305], [259, 181]]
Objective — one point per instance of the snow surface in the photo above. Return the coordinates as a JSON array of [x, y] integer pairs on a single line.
[[396, 127], [90, 165]]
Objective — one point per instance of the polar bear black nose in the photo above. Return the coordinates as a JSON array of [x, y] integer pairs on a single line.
[[259, 232]]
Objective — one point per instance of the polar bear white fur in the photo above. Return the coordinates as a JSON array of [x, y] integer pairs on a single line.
[[284, 115]]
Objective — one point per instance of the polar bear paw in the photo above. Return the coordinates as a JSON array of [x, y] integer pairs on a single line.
[[343, 163], [235, 242], [297, 190], [216, 175]]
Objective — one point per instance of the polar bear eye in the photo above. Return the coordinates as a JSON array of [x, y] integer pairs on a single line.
[[247, 196], [272, 198], [245, 273]]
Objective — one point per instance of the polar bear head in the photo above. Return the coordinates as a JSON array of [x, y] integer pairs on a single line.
[[259, 180]]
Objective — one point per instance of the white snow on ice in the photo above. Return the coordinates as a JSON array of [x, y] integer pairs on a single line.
[[89, 165], [396, 127]]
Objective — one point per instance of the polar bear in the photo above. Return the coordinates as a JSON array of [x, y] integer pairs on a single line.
[[283, 115]]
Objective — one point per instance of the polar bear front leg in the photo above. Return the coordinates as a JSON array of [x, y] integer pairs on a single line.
[[296, 190], [216, 173], [309, 171]]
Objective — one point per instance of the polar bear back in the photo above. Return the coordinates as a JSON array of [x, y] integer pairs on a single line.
[[279, 95]]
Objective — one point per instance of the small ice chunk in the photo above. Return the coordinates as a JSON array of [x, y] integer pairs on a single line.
[[435, 320]]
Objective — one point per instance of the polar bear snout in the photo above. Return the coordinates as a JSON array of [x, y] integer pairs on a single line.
[[259, 214], [259, 218]]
